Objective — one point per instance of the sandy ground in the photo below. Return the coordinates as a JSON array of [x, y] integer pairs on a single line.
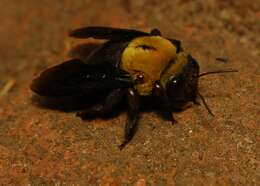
[[43, 146]]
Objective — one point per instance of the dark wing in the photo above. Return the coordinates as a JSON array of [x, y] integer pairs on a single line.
[[110, 52], [74, 77], [107, 33]]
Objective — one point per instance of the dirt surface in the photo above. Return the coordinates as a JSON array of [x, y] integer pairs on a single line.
[[43, 146]]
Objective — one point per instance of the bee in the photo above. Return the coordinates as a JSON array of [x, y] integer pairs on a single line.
[[130, 65]]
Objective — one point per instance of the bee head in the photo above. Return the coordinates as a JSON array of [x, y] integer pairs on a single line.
[[180, 79]]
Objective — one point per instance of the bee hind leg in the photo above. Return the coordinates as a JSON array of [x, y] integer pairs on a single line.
[[111, 101]]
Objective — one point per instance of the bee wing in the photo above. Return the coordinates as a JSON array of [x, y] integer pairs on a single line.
[[108, 33], [77, 78]]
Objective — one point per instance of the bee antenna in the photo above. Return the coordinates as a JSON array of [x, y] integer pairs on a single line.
[[205, 104], [216, 72]]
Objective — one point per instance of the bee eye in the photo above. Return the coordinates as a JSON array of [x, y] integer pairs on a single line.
[[173, 80]]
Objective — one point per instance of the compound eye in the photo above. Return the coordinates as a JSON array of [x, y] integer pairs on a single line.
[[173, 80]]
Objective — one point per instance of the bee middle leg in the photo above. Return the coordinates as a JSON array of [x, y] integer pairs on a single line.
[[111, 101], [161, 94]]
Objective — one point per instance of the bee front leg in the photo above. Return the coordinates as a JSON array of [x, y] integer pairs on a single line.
[[161, 94], [111, 101], [132, 116]]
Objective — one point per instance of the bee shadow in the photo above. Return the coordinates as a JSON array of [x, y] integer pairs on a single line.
[[66, 104]]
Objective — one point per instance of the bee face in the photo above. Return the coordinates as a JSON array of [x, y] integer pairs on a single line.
[[181, 80]]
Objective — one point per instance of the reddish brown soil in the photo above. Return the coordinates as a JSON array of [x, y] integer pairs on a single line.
[[40, 146]]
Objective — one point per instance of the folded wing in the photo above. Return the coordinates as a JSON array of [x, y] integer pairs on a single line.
[[107, 33], [74, 77]]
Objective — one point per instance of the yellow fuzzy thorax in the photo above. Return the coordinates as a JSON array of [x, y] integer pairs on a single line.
[[149, 62], [175, 67]]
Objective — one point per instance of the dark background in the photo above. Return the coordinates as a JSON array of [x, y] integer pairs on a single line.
[[41, 146]]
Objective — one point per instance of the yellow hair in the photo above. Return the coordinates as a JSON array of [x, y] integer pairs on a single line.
[[148, 56]]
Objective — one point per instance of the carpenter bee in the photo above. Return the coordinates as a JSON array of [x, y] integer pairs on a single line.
[[130, 65]]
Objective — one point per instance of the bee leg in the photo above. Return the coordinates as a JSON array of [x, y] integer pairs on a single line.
[[159, 91], [132, 117], [110, 102]]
